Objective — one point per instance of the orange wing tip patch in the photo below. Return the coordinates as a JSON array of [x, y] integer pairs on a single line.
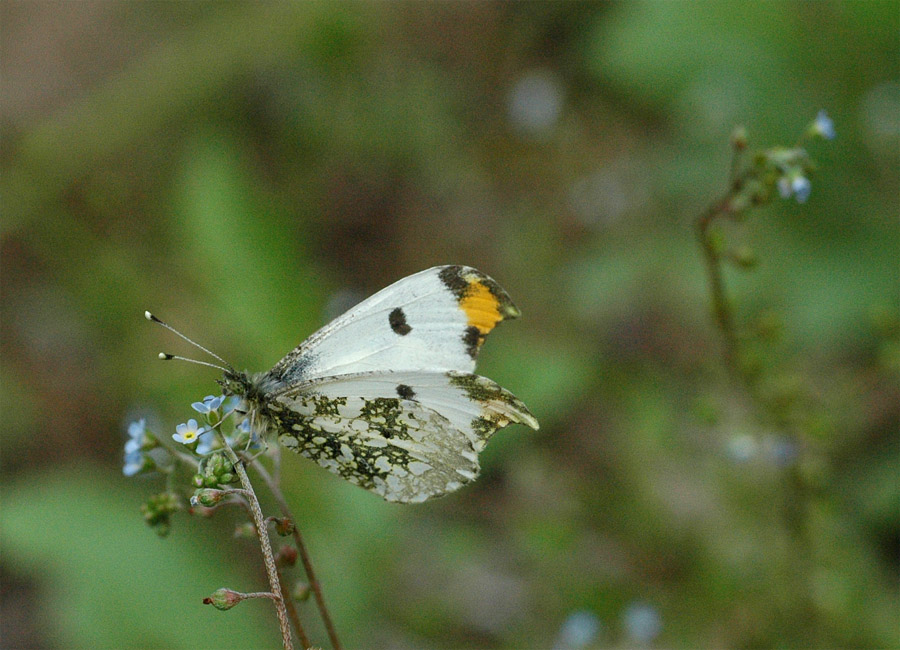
[[484, 302], [481, 306]]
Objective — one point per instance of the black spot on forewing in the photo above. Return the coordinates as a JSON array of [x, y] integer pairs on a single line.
[[397, 320], [406, 392]]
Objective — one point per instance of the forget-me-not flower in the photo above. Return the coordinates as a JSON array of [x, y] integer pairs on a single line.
[[642, 622], [823, 126], [137, 436], [794, 184], [138, 441], [209, 404], [134, 463], [188, 432]]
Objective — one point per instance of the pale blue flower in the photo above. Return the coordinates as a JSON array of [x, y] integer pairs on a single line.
[[794, 184], [232, 402], [642, 622], [801, 187], [784, 451], [742, 448], [137, 436], [823, 126], [138, 441], [244, 429], [579, 630], [209, 404], [188, 433], [134, 463]]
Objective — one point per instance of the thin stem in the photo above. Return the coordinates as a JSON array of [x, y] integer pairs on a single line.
[[721, 305], [266, 546], [259, 594], [304, 555]]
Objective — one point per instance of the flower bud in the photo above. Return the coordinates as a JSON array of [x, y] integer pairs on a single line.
[[157, 512], [207, 497], [284, 526], [223, 599], [286, 556]]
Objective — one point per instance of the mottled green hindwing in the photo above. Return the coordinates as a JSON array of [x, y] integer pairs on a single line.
[[391, 446]]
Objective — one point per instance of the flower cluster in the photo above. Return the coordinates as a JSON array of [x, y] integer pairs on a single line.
[[199, 450], [784, 170]]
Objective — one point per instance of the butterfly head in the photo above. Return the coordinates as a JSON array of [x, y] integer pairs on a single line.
[[236, 383]]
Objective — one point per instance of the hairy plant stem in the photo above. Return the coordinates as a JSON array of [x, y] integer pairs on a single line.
[[259, 594], [304, 555], [266, 547]]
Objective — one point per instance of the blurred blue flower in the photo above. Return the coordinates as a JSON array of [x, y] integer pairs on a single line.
[[137, 436], [535, 102], [741, 448], [134, 463], [209, 404], [241, 430], [138, 440], [823, 126], [579, 630], [232, 402], [188, 432], [801, 187], [794, 184], [784, 451], [642, 622]]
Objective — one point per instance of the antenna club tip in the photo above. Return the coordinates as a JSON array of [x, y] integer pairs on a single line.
[[165, 357], [150, 316]]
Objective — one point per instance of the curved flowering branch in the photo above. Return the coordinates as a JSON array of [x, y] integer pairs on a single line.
[[209, 454], [780, 169]]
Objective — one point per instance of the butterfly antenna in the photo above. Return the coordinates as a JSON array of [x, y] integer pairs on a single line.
[[166, 357]]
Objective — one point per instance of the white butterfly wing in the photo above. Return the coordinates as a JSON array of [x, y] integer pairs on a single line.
[[408, 435], [434, 319]]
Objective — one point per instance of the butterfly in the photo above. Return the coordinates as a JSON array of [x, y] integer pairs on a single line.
[[385, 395]]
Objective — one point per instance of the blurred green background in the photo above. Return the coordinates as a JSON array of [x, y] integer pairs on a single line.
[[247, 171]]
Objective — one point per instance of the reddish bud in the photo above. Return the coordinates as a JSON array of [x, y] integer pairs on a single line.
[[287, 556]]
